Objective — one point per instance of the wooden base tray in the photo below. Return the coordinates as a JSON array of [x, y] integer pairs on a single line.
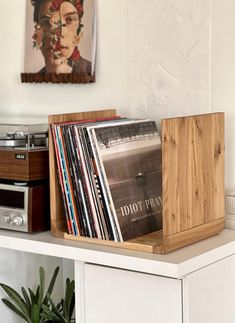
[[154, 242], [193, 183]]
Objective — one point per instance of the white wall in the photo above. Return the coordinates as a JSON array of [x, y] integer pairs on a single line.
[[39, 100], [223, 76], [153, 60], [169, 57]]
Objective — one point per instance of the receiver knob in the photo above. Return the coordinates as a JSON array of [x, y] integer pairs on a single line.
[[5, 219], [17, 220]]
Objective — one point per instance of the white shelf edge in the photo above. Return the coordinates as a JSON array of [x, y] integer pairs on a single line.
[[175, 265]]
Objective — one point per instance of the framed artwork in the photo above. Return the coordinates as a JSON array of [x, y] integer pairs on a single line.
[[60, 41]]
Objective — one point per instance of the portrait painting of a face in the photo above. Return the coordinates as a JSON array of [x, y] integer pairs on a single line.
[[60, 36]]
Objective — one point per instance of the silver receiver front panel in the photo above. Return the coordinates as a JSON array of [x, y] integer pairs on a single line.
[[13, 218]]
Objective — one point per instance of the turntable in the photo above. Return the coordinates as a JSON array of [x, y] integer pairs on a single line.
[[24, 152]]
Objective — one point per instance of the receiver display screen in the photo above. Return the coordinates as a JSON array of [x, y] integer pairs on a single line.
[[12, 199]]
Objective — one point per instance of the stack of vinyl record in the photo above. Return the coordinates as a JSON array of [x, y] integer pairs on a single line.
[[110, 177]]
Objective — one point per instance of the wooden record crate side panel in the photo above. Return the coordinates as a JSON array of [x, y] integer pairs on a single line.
[[187, 237], [218, 149], [58, 222], [193, 173], [79, 116]]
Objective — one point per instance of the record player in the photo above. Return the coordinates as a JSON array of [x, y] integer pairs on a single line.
[[24, 177], [24, 152]]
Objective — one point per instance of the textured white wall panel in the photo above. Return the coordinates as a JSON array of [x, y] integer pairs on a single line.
[[169, 63], [223, 77]]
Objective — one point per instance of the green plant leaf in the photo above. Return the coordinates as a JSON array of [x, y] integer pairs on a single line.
[[68, 292], [35, 314], [70, 297], [34, 307], [51, 285], [12, 307], [48, 315], [32, 296], [42, 285], [64, 309], [37, 294], [71, 311], [67, 288], [55, 309], [26, 297], [16, 298]]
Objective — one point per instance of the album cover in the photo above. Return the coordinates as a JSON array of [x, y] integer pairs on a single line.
[[130, 158], [60, 38]]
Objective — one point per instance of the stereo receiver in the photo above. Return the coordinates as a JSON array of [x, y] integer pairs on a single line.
[[24, 207]]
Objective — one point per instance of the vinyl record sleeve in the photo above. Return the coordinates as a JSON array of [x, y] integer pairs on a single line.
[[130, 155]]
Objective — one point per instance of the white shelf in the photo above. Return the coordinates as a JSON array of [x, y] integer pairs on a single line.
[[176, 264]]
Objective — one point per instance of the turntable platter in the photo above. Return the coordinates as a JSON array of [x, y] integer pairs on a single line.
[[23, 137], [12, 142]]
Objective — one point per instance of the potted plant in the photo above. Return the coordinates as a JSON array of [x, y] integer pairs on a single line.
[[38, 306]]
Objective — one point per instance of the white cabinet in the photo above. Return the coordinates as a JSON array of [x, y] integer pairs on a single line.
[[115, 296], [205, 296], [195, 284], [209, 293]]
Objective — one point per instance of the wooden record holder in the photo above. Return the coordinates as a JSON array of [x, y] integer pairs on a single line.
[[193, 183]]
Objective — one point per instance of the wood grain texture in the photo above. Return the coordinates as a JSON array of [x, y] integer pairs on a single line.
[[156, 243], [72, 117], [147, 243], [33, 167], [57, 78], [190, 236], [193, 171]]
